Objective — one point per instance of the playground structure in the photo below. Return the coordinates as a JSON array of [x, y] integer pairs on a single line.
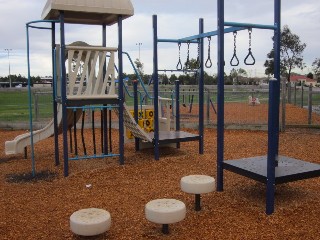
[[84, 79], [271, 169], [93, 89]]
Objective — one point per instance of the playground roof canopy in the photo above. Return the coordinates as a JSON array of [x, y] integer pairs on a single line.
[[88, 11]]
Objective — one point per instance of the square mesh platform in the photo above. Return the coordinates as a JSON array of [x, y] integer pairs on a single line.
[[288, 169]]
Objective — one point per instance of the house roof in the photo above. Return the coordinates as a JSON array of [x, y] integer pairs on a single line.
[[88, 11], [298, 78]]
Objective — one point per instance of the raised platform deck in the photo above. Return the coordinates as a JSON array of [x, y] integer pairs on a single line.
[[288, 170], [175, 137]]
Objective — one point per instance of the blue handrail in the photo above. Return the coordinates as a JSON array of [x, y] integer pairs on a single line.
[[138, 75]]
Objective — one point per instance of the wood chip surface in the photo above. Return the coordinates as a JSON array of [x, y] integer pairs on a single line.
[[40, 209]]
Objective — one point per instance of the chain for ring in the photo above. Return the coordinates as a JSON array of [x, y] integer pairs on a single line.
[[209, 46], [179, 65], [250, 55], [250, 32], [235, 42], [234, 60], [188, 56], [208, 63]]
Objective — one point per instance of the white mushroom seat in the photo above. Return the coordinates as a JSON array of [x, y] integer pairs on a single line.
[[90, 221], [165, 211], [197, 184]]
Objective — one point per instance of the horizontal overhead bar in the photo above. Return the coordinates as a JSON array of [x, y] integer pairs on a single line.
[[175, 70], [233, 27], [211, 34], [175, 41], [250, 25], [48, 28]]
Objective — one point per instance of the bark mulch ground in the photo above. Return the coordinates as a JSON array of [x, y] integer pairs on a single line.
[[39, 208]]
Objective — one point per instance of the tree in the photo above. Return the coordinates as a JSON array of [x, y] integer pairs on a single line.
[[291, 50], [237, 74], [310, 75], [173, 78], [191, 65], [269, 64], [163, 78], [210, 80], [316, 68]]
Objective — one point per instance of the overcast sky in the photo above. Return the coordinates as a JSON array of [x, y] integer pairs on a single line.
[[176, 19]]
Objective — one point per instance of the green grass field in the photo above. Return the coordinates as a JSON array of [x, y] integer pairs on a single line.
[[14, 104]]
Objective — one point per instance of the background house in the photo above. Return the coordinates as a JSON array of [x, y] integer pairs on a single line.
[[303, 79]]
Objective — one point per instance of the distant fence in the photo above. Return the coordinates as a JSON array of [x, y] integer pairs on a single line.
[[301, 108]]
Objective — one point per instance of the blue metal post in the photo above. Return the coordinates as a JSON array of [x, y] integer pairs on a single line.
[[201, 88], [64, 95], [121, 94], [30, 107], [277, 43], [55, 105], [135, 106], [155, 87], [105, 111], [177, 91], [272, 135], [273, 114], [220, 97]]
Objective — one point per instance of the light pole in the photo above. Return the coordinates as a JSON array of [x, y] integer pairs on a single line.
[[8, 50], [139, 44]]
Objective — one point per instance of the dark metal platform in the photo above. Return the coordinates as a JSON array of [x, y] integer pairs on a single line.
[[175, 137], [92, 101], [288, 170]]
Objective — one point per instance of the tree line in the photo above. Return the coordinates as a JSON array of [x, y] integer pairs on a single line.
[[291, 55], [20, 79]]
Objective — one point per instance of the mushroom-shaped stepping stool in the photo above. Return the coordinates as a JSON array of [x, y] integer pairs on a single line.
[[197, 184], [165, 212], [90, 221]]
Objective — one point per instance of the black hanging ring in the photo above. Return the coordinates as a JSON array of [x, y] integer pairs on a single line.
[[179, 65], [252, 58], [234, 57], [208, 63]]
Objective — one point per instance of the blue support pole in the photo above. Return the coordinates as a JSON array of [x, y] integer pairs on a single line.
[[177, 91], [220, 97], [121, 94], [135, 106], [273, 114], [105, 111], [55, 105], [272, 135], [277, 75], [155, 88], [201, 88], [64, 95], [30, 107]]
